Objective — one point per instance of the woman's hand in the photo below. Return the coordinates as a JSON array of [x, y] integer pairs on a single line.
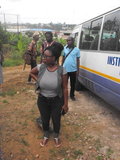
[[65, 108], [34, 73]]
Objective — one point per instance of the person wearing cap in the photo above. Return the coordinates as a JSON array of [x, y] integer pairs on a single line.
[[32, 49]]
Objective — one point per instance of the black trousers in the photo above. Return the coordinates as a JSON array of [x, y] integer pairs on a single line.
[[33, 64], [50, 108], [72, 76]]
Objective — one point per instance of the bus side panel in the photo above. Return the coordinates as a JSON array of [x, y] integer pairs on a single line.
[[102, 81], [100, 72], [102, 91], [104, 64]]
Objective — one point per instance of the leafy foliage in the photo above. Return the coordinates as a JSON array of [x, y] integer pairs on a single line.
[[3, 37], [15, 44]]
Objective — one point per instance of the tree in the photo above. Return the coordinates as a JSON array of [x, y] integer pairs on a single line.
[[3, 36]]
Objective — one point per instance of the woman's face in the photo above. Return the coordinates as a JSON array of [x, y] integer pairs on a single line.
[[48, 58]]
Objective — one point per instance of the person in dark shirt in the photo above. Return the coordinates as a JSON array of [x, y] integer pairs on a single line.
[[32, 49], [48, 42]]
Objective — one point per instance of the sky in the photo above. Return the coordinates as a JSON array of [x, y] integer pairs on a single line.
[[55, 11]]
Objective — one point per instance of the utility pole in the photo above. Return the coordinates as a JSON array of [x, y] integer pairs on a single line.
[[17, 20], [4, 21], [17, 24]]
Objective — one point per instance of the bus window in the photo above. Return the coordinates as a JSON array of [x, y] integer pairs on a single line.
[[84, 38], [110, 39], [76, 38], [90, 35], [95, 31]]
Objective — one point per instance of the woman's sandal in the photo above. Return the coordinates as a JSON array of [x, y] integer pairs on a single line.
[[44, 142], [57, 142]]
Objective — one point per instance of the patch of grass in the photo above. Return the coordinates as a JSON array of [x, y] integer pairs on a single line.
[[2, 94], [5, 101], [39, 137], [23, 89], [99, 157], [11, 92], [77, 135], [62, 151], [107, 156], [53, 152], [83, 118], [8, 93], [109, 153], [58, 153], [22, 150], [67, 136], [12, 62], [32, 111], [77, 153], [25, 123], [33, 119], [23, 141], [97, 144]]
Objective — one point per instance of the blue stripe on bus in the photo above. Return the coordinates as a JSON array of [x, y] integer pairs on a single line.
[[114, 86], [103, 87]]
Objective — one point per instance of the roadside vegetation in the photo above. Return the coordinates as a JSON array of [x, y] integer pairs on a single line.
[[15, 44]]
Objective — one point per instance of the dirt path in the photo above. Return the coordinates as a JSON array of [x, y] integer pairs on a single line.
[[90, 131]]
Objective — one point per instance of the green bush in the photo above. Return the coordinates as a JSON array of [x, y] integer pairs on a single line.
[[12, 62], [15, 45]]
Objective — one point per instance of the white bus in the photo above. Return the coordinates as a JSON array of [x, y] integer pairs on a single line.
[[99, 43]]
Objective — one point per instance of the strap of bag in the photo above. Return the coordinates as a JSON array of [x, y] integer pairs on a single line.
[[40, 74], [68, 54]]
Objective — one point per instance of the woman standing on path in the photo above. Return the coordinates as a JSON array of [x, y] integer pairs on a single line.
[[52, 81]]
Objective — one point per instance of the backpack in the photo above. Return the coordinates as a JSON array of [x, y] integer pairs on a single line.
[[42, 70], [27, 58]]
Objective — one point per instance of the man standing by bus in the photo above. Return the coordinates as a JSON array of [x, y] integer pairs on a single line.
[[71, 55]]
